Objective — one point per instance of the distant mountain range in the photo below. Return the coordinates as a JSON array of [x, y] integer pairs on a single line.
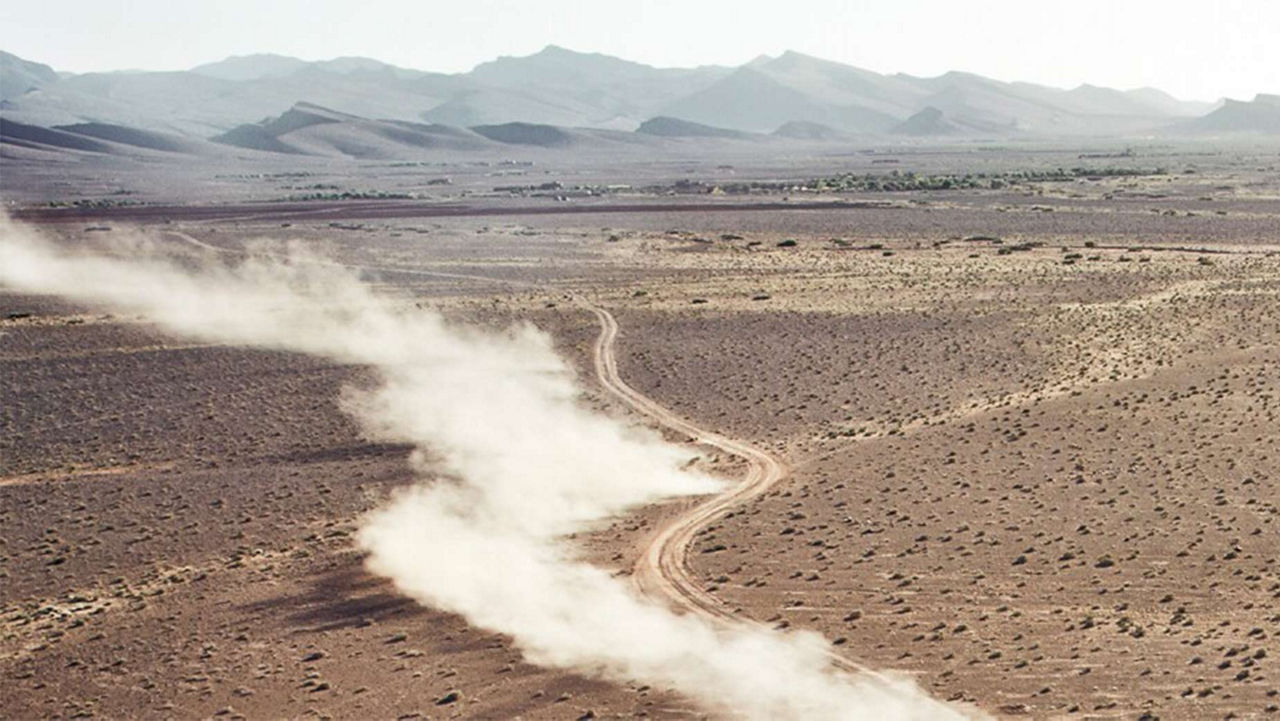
[[557, 97], [1260, 116]]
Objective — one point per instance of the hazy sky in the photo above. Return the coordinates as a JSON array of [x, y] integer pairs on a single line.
[[1195, 50]]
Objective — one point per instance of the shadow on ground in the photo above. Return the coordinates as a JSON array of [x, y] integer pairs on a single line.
[[343, 595]]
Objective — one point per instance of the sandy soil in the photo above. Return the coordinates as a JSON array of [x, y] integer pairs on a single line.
[[1037, 479], [1062, 508]]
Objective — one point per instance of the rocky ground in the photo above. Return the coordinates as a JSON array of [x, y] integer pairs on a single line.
[[1030, 458]]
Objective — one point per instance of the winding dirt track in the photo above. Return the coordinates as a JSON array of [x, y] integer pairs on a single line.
[[662, 571]]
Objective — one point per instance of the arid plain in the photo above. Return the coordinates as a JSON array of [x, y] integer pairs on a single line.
[[1028, 434]]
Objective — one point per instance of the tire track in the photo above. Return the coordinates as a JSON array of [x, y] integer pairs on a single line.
[[662, 570]]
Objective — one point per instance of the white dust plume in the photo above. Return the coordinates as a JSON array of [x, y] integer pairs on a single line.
[[511, 462]]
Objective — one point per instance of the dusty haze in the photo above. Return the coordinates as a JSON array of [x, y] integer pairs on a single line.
[[510, 463]]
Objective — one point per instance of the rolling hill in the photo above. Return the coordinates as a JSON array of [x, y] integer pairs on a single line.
[[1259, 116], [308, 129], [18, 76], [668, 127]]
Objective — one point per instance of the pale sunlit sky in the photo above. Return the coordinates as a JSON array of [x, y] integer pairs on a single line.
[[1200, 50]]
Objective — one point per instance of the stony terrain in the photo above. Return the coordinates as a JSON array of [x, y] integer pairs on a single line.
[[1030, 457]]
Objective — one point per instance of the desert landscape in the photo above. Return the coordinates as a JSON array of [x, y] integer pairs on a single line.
[[1022, 444], [569, 386]]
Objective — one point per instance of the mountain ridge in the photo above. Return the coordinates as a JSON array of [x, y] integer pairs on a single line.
[[792, 92]]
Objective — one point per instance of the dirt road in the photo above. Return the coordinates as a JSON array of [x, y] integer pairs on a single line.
[[662, 571]]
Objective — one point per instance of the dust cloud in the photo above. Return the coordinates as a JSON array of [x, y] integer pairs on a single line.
[[510, 462]]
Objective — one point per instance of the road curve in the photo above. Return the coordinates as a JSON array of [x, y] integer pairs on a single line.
[[662, 571]]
